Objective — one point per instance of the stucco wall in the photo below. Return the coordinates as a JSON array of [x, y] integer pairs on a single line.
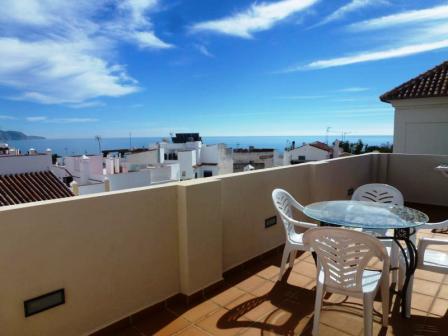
[[114, 254], [421, 126], [117, 253]]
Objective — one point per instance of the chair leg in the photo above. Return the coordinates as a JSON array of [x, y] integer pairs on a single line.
[[292, 258], [394, 261], [317, 307], [283, 264], [385, 299], [368, 315], [409, 296]]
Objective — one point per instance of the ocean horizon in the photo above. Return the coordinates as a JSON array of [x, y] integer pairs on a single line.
[[65, 147]]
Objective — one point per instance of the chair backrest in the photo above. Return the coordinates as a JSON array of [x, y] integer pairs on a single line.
[[378, 192], [284, 203], [344, 254]]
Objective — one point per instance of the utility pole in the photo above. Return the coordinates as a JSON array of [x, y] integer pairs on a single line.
[[327, 132]]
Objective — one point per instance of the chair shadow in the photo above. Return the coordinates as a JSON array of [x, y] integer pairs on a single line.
[[284, 297], [298, 303]]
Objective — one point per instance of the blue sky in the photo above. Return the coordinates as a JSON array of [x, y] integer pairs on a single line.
[[74, 69]]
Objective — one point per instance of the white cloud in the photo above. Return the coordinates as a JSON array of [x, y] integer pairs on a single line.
[[408, 17], [373, 56], [203, 50], [36, 119], [6, 117], [45, 119], [58, 52], [354, 89], [352, 6], [258, 17]]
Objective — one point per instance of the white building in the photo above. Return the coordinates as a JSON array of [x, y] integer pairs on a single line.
[[13, 162], [196, 159], [421, 113], [314, 151], [186, 157], [245, 159]]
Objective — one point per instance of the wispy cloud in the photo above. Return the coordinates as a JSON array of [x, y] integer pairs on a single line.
[[373, 56], [6, 117], [303, 97], [46, 119], [352, 6], [69, 57], [354, 89], [203, 50], [36, 119], [408, 17], [258, 17]]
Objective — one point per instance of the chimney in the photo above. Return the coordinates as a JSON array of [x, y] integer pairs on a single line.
[[336, 149], [32, 151], [84, 170], [110, 162], [48, 151]]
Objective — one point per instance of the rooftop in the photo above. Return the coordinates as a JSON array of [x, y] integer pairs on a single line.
[[432, 83], [31, 187]]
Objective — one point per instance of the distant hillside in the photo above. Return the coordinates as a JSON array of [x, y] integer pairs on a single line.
[[15, 135]]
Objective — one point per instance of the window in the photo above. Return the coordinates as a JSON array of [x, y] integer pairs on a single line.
[[301, 158], [208, 173]]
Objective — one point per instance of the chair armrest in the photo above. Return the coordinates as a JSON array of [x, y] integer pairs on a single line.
[[438, 226], [423, 244], [301, 224]]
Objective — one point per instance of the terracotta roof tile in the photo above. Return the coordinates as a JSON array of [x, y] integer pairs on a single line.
[[432, 83], [31, 187]]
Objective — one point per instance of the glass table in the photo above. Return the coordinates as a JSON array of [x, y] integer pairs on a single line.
[[376, 218]]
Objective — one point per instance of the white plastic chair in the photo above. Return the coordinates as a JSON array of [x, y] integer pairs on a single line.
[[343, 256], [378, 192], [382, 193], [428, 259], [284, 203]]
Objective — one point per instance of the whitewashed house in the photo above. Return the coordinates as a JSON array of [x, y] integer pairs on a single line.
[[195, 158], [314, 151], [246, 159], [421, 113]]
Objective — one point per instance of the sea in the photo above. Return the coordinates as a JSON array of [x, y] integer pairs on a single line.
[[65, 147]]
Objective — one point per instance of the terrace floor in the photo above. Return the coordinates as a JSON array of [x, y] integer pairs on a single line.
[[250, 301]]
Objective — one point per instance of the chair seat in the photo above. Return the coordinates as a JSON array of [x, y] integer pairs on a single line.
[[370, 280], [296, 238], [435, 258]]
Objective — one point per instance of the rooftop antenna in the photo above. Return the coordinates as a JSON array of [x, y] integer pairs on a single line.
[[326, 134]]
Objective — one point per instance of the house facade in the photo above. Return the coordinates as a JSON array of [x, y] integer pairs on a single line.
[[421, 113]]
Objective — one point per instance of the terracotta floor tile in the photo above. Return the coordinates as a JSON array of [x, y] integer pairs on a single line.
[[305, 268], [251, 283], [240, 301], [227, 296], [269, 272], [155, 322], [346, 319], [325, 330], [222, 322], [259, 311], [300, 280], [192, 331], [439, 307], [429, 276], [264, 289], [173, 327], [443, 292], [200, 311], [421, 302], [425, 287]]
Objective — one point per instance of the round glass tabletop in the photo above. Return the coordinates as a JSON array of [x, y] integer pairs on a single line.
[[368, 215]]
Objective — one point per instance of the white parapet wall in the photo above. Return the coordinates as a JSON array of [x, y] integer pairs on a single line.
[[117, 253]]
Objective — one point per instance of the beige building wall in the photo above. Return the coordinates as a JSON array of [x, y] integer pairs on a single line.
[[117, 253], [421, 126]]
